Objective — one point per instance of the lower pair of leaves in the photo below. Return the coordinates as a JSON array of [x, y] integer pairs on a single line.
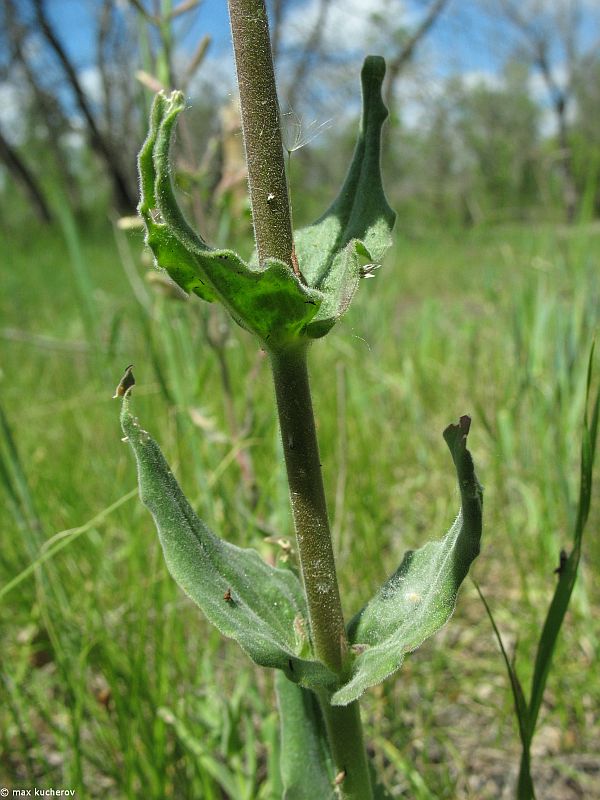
[[264, 608]]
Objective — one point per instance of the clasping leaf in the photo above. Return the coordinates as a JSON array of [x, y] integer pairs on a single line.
[[358, 224], [244, 597], [268, 300], [419, 598]]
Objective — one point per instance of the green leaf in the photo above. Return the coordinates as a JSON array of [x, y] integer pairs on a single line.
[[268, 300], [261, 607], [420, 596], [527, 713], [568, 571], [169, 253], [306, 765], [359, 222]]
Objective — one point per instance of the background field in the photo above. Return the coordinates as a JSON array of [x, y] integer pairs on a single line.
[[112, 682]]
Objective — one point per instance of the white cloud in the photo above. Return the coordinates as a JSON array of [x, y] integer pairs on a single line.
[[474, 78], [91, 82], [349, 26], [11, 101]]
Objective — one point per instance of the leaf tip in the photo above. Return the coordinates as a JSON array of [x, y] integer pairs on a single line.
[[374, 68], [129, 425], [456, 434], [464, 423], [126, 383]]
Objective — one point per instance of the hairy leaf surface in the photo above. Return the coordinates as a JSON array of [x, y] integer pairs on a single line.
[[359, 222], [419, 598], [259, 606], [268, 300]]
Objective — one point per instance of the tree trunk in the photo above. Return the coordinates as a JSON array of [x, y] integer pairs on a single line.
[[46, 104], [21, 173], [569, 189], [125, 198], [397, 64]]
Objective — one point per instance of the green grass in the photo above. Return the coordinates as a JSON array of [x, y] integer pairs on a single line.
[[111, 682]]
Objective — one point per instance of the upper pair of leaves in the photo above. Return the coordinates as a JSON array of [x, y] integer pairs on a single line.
[[269, 299], [264, 609]]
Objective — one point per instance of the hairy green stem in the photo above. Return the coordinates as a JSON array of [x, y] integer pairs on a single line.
[[315, 549], [273, 233], [262, 132], [344, 730]]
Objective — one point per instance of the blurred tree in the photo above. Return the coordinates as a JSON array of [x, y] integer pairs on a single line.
[[498, 127], [585, 133], [48, 122], [277, 9], [406, 42], [23, 175], [97, 125], [57, 104], [473, 153], [555, 40]]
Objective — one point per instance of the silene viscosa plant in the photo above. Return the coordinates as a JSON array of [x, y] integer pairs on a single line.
[[297, 287]]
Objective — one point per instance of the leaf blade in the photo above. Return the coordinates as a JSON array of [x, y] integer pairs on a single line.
[[305, 762], [269, 301], [568, 573], [358, 222], [419, 598], [243, 596]]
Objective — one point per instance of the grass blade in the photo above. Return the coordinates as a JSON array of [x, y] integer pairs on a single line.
[[568, 571]]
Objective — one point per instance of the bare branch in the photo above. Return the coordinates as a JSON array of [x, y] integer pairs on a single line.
[[124, 197], [562, 25], [311, 48], [401, 59], [23, 175]]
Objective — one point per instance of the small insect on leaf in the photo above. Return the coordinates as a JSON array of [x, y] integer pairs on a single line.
[[368, 270], [227, 596], [126, 382], [339, 778]]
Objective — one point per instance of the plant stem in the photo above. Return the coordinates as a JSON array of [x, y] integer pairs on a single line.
[[273, 234], [262, 132], [315, 550], [344, 731]]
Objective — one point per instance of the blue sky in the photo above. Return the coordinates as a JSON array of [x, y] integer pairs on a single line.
[[459, 42], [463, 42]]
